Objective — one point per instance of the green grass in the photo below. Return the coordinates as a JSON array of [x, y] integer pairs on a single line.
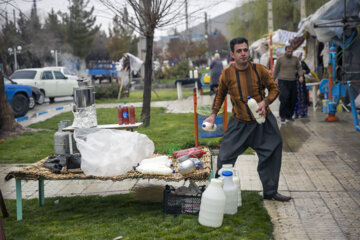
[[168, 131], [96, 217], [137, 96]]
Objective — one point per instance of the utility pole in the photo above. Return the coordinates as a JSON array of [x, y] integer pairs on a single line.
[[302, 9], [270, 30], [206, 25], [187, 21], [14, 18]]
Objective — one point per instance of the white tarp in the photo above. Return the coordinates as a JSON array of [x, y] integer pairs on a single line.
[[280, 37], [332, 10]]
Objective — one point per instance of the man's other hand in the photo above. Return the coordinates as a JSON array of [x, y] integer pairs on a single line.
[[211, 119], [262, 108]]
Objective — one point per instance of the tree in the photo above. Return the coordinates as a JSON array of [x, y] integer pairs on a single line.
[[218, 42], [81, 27], [149, 15]]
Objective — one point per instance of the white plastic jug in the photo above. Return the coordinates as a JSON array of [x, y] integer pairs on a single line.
[[231, 193], [253, 105], [212, 205], [162, 160], [225, 167], [236, 180], [206, 126]]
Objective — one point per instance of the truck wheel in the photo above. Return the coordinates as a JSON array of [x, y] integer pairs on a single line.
[[20, 105]]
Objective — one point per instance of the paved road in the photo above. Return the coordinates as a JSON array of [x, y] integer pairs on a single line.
[[320, 170]]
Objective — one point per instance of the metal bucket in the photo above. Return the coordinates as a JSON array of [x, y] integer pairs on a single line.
[[84, 96]]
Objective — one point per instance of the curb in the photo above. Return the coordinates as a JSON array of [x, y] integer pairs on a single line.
[[23, 118]]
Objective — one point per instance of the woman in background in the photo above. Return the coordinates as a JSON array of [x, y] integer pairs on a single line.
[[301, 106], [216, 67]]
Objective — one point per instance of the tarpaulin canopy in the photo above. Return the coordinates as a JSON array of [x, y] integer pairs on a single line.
[[332, 10]]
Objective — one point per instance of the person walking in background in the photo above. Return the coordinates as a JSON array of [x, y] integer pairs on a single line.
[[285, 70], [301, 106], [216, 67], [242, 79]]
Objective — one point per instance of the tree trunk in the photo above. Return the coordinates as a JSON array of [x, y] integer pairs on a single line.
[[145, 113], [8, 125]]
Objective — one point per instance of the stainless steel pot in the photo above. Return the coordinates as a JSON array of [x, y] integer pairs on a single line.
[[84, 96]]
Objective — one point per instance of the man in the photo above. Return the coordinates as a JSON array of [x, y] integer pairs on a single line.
[[240, 80], [285, 69]]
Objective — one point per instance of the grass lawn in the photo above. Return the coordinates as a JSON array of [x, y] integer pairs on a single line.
[[96, 217], [137, 96], [168, 131]]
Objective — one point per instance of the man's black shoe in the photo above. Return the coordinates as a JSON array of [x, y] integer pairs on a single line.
[[277, 197], [290, 119]]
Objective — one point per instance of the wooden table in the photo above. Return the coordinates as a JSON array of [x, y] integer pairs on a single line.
[[71, 129]]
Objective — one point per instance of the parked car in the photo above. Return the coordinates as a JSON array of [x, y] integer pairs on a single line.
[[36, 96], [18, 96], [52, 83], [64, 70]]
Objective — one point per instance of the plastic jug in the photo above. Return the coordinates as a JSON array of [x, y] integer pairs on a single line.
[[160, 160], [225, 167], [206, 126], [154, 169], [231, 193], [212, 205], [253, 107], [236, 180]]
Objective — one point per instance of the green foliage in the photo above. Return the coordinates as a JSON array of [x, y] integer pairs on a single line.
[[180, 70], [97, 217], [251, 20]]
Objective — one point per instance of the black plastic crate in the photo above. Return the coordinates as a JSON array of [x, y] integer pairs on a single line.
[[176, 204]]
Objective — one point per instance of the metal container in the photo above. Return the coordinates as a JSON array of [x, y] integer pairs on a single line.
[[84, 96]]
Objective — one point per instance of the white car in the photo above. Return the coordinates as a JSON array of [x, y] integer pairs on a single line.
[[64, 70], [52, 83]]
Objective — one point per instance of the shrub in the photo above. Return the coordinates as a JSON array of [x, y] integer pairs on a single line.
[[108, 91]]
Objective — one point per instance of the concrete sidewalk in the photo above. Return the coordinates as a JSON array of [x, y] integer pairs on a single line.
[[320, 170]]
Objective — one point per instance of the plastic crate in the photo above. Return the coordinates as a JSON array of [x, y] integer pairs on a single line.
[[176, 204]]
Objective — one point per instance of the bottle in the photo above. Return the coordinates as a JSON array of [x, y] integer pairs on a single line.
[[132, 114], [125, 114], [206, 126], [161, 160], [225, 167], [231, 193], [154, 169], [236, 180], [212, 205], [253, 107], [120, 115], [192, 152]]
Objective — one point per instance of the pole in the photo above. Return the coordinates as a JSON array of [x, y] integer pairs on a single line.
[[271, 55], [225, 113], [15, 59], [302, 9], [270, 30], [196, 120], [56, 58], [187, 21]]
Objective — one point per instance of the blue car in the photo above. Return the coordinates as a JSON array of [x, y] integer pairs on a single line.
[[18, 97]]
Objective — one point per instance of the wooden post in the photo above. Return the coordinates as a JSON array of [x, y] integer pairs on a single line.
[[196, 120], [225, 113], [122, 82]]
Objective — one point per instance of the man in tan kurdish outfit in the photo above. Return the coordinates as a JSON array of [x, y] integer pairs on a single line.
[[242, 79]]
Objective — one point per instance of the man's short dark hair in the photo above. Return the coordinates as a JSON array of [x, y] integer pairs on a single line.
[[238, 40], [287, 47]]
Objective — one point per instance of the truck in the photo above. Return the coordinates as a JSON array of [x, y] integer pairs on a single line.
[[104, 69]]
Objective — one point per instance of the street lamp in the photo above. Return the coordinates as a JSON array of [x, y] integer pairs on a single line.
[[15, 51], [54, 53]]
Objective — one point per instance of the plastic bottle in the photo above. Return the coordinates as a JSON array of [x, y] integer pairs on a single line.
[[206, 126], [161, 160], [154, 169], [125, 114], [192, 152], [231, 193], [225, 167], [132, 114], [120, 115], [212, 205], [236, 180], [253, 105]]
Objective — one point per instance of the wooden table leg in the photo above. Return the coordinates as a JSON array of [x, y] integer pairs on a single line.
[[3, 206], [18, 200]]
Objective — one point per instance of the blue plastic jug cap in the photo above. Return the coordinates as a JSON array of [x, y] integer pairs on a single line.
[[227, 173], [248, 97]]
